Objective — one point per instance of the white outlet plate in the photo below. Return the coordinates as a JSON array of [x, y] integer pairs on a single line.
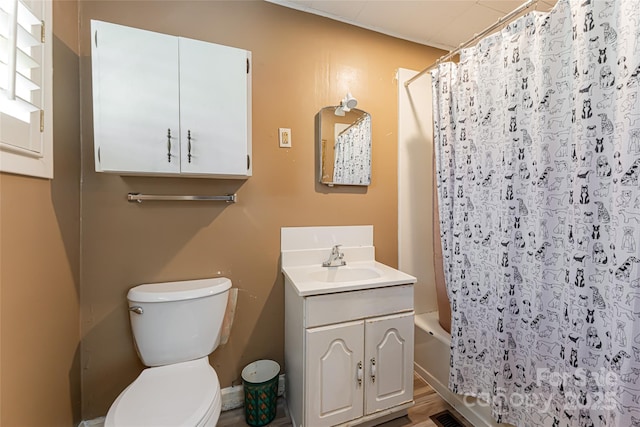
[[285, 137]]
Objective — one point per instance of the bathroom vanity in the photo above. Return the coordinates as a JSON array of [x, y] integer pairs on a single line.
[[348, 330]]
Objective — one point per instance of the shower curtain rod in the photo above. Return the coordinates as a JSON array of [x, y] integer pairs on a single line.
[[508, 17]]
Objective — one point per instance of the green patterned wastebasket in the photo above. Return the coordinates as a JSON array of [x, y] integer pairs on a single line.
[[260, 382]]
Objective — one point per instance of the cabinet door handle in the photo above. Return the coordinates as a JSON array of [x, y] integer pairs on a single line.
[[360, 374], [373, 369], [189, 145], [169, 145]]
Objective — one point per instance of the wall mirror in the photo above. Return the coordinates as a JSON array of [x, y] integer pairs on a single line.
[[345, 147]]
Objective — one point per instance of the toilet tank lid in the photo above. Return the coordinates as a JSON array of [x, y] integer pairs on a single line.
[[176, 291]]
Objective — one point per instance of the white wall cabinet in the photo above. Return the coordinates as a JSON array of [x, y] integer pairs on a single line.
[[352, 364], [166, 105]]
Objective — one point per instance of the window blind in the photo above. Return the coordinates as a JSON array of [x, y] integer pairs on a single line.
[[21, 59]]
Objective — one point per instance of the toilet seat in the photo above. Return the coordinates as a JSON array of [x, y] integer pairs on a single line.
[[181, 394]]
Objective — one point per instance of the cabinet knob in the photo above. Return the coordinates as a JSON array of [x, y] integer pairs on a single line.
[[359, 373], [373, 369], [169, 145]]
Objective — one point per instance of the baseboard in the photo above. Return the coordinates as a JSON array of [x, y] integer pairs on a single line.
[[96, 422], [233, 397], [478, 415]]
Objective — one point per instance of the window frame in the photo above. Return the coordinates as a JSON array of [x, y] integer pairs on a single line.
[[17, 160]]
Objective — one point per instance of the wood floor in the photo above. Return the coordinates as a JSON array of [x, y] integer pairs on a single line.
[[428, 403]]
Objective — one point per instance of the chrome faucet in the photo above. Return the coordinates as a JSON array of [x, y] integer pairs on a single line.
[[335, 258]]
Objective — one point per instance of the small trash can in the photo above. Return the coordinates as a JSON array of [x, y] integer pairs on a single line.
[[260, 383]]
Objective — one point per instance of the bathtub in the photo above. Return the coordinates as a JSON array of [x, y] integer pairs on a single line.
[[431, 362]]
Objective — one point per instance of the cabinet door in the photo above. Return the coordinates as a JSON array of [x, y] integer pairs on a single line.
[[135, 100], [334, 374], [389, 361], [214, 109]]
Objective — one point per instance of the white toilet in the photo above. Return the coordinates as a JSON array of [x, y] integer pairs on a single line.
[[176, 325]]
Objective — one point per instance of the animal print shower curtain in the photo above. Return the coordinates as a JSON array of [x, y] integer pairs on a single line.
[[352, 163], [537, 137]]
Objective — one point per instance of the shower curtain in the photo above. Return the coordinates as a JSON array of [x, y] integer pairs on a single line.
[[537, 138], [352, 164]]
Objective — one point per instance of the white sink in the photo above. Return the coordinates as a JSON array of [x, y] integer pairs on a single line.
[[315, 279], [343, 273]]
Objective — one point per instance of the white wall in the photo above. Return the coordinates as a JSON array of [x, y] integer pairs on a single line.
[[416, 186]]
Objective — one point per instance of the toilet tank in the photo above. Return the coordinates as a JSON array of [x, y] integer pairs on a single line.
[[177, 321]]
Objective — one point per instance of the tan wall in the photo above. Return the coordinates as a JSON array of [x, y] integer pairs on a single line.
[[301, 63], [39, 263]]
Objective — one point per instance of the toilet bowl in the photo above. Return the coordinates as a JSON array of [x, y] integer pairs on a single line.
[[176, 325], [182, 394]]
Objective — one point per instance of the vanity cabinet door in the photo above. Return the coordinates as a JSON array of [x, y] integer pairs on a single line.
[[334, 374], [135, 100], [389, 361], [214, 108]]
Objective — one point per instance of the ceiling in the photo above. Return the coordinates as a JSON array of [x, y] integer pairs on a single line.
[[439, 23]]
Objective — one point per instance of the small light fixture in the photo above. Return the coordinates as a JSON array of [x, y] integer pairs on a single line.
[[349, 102], [346, 105]]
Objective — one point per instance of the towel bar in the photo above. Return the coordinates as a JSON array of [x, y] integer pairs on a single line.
[[137, 197]]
